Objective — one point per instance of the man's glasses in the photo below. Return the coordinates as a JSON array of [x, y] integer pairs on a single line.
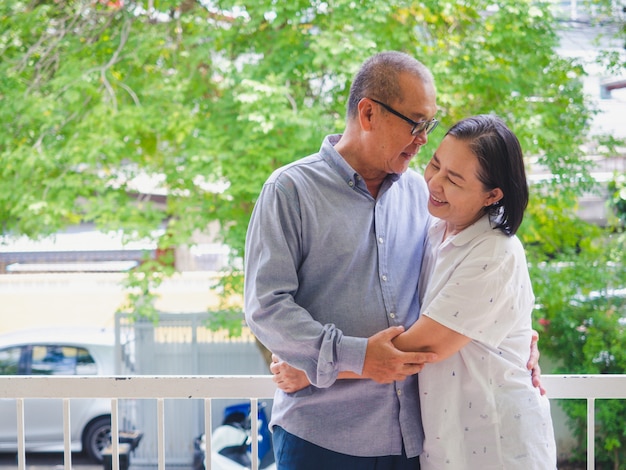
[[418, 127]]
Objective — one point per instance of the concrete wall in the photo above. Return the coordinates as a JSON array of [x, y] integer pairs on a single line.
[[90, 299]]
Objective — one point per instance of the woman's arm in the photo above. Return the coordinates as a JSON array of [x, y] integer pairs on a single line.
[[290, 380], [427, 335]]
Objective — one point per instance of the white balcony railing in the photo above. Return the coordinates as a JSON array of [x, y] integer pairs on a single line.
[[254, 388]]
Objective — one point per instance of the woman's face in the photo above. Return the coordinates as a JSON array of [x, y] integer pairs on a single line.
[[456, 194]]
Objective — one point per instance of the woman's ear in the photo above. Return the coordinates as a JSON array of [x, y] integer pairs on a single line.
[[493, 196]]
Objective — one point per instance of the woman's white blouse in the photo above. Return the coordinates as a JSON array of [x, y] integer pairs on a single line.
[[479, 407]]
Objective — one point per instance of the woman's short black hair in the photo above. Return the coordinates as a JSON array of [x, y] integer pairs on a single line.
[[501, 163]]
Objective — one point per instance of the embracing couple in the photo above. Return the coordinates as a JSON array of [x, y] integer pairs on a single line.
[[398, 306]]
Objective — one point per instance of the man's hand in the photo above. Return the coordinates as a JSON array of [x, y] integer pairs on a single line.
[[288, 378], [385, 364], [533, 363]]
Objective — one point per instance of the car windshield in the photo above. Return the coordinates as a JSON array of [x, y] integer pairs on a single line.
[[61, 360], [46, 360], [10, 361]]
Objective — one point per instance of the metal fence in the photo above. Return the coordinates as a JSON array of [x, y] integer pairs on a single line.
[[254, 388], [180, 344]]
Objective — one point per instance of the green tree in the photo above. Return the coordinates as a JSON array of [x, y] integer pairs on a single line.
[[215, 95], [610, 16]]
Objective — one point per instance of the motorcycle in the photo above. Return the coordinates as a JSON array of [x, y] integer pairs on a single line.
[[231, 442]]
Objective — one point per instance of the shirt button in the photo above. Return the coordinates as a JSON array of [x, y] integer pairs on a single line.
[[384, 278], [399, 392], [392, 315], [380, 240], [350, 183]]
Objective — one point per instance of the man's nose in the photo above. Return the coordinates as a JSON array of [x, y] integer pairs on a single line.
[[421, 138]]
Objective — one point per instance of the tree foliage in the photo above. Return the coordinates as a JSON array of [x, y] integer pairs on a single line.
[[208, 98], [610, 16]]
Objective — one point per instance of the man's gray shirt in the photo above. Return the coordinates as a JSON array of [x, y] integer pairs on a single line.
[[327, 266]]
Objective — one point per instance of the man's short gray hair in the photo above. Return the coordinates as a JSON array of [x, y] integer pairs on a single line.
[[378, 78]]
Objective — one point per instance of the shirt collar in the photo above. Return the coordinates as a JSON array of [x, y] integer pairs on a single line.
[[336, 161], [466, 235]]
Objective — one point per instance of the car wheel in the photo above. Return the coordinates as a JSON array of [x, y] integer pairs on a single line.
[[97, 437]]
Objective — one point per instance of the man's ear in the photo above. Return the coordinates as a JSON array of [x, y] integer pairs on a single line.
[[366, 114]]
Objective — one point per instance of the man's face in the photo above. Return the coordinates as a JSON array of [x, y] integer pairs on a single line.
[[396, 145]]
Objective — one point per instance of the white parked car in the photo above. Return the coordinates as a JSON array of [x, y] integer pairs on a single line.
[[62, 351]]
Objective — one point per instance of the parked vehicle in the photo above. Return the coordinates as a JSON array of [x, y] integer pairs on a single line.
[[230, 442], [63, 351]]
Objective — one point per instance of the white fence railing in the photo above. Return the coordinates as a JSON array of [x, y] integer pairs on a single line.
[[591, 388], [254, 388]]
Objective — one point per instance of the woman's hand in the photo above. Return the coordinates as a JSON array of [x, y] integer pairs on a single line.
[[288, 378], [533, 363]]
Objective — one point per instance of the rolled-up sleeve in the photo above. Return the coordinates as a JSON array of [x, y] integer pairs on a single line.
[[274, 262]]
